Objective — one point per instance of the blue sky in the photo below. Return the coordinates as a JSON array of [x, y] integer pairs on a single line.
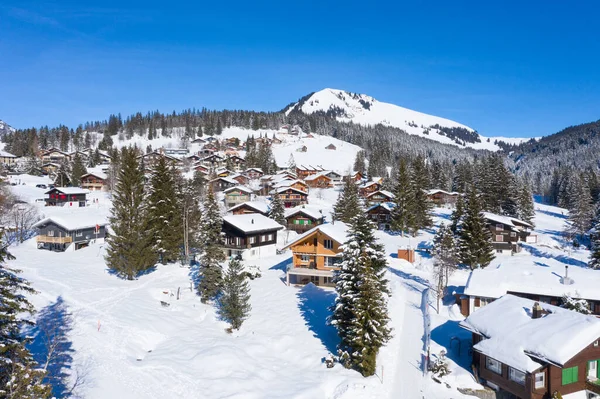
[[504, 68]]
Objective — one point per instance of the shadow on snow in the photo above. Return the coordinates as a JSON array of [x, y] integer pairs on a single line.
[[561, 258], [314, 304], [457, 341]]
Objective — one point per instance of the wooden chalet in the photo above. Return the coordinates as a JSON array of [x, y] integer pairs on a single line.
[[297, 184], [236, 195], [206, 152], [198, 140], [59, 233], [94, 181], [54, 155], [301, 219], [213, 161], [223, 172], [331, 147], [222, 183], [175, 152], [240, 178], [291, 197], [194, 158], [316, 254], [50, 168], [150, 159], [381, 214], [250, 207], [508, 233], [66, 196], [532, 350], [250, 236], [368, 188], [237, 162], [319, 180], [336, 178], [380, 197], [304, 171], [441, 197], [6, 158], [202, 168], [254, 173]]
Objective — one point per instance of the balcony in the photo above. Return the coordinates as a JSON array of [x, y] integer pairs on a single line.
[[54, 240], [593, 386]]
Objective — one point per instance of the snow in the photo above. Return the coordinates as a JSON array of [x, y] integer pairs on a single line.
[[69, 190], [511, 335], [506, 220], [337, 231], [259, 206], [239, 188], [252, 222], [435, 191], [77, 218], [6, 154], [390, 115], [315, 214]]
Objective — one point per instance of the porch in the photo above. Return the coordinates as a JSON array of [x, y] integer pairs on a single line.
[[305, 275]]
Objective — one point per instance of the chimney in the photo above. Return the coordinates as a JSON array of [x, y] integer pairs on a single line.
[[566, 280], [536, 311], [252, 221]]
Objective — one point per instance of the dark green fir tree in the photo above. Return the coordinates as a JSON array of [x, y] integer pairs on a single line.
[[475, 244], [211, 274], [234, 303]]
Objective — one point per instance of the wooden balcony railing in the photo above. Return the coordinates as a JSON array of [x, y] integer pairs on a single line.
[[593, 386], [54, 240]]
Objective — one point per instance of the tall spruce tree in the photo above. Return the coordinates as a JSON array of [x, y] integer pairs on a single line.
[[20, 376], [348, 204], [526, 208], [277, 210], [234, 303], [581, 211], [422, 205], [63, 175], [77, 170], [164, 212], [403, 214], [211, 273], [360, 311], [129, 249], [457, 215], [475, 243], [445, 254]]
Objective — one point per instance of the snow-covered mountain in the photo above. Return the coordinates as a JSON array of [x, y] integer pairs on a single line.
[[5, 128], [365, 110]]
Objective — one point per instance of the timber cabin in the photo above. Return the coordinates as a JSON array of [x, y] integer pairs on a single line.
[[303, 171], [66, 196], [150, 159], [441, 197], [379, 197], [368, 188], [291, 197], [222, 183], [58, 233], [54, 155], [50, 168], [6, 158], [251, 207], [319, 180], [240, 178], [301, 219], [316, 254], [508, 233], [250, 236], [381, 215], [238, 162], [93, 181], [331, 147], [254, 173], [297, 184], [530, 350], [213, 161], [236, 195]]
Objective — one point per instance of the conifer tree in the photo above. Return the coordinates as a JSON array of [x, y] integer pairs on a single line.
[[475, 243], [457, 215], [20, 376], [445, 255], [210, 261], [129, 249], [77, 170], [594, 262], [422, 205], [164, 212], [525, 204], [359, 162], [235, 299], [292, 164], [278, 210], [63, 174], [348, 204], [581, 211], [360, 311], [403, 214]]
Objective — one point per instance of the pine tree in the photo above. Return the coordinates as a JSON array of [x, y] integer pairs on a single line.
[[20, 377], [77, 170], [511, 197], [277, 210], [577, 305], [359, 162], [164, 212], [525, 204], [422, 205], [292, 164], [360, 311], [235, 299], [581, 211], [63, 174], [457, 215], [475, 243], [348, 204], [403, 214], [212, 256], [446, 256], [129, 249], [594, 262]]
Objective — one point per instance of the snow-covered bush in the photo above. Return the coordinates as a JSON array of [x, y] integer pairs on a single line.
[[440, 367], [578, 305]]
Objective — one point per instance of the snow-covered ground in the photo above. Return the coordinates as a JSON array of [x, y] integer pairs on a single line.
[[130, 346]]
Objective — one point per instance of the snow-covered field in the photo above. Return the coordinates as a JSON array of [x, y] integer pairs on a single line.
[[130, 346]]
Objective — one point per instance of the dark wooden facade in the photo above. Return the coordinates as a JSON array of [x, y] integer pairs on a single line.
[[301, 221], [53, 237], [235, 240], [292, 197], [57, 197], [381, 215]]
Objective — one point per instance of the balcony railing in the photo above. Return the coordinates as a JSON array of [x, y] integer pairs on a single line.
[[593, 386], [54, 240]]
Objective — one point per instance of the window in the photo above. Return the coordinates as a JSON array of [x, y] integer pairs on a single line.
[[78, 233], [331, 261], [305, 258], [263, 238], [252, 240], [499, 227], [540, 380], [270, 237], [596, 343], [516, 376], [569, 375], [50, 233], [499, 238], [493, 365], [314, 280], [328, 244], [513, 234]]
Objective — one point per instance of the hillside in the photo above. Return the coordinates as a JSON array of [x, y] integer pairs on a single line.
[[365, 110]]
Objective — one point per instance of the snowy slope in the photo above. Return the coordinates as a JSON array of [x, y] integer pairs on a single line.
[[365, 110], [5, 128]]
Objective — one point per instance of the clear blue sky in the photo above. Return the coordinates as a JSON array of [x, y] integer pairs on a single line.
[[513, 68]]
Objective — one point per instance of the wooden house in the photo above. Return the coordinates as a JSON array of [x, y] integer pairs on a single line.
[[236, 195], [251, 207], [150, 159], [254, 173], [223, 172], [508, 233], [213, 161], [291, 197], [379, 197], [532, 350], [175, 152], [222, 183], [331, 147], [198, 140], [206, 152], [60, 233], [240, 178], [316, 254], [237, 162], [336, 178], [6, 158], [368, 188], [381, 214], [54, 155], [297, 184], [301, 219], [50, 168], [66, 196], [202, 168], [250, 236], [319, 180], [194, 158], [94, 181], [304, 171], [441, 197]]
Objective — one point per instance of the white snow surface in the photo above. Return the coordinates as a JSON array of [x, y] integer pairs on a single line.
[[510, 333], [390, 115], [252, 222]]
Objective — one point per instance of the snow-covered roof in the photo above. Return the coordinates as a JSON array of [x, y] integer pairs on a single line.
[[288, 183], [388, 194], [387, 205], [252, 223], [513, 337], [259, 206], [435, 191], [256, 169], [525, 274], [308, 212], [225, 179], [369, 183], [338, 231], [240, 188], [505, 220], [69, 190], [75, 220], [5, 154], [100, 175], [284, 189], [317, 175]]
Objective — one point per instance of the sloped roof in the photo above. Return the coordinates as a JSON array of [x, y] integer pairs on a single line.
[[506, 220], [100, 175], [252, 223], [435, 191], [7, 154], [338, 231], [513, 337], [384, 192], [240, 188], [308, 212], [69, 190], [387, 205], [284, 189], [317, 175], [259, 206], [75, 220]]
